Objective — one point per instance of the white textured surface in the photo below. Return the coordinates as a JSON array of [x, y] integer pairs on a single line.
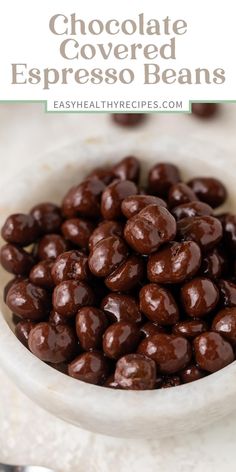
[[29, 434]]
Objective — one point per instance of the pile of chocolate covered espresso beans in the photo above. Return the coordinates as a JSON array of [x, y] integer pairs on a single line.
[[125, 286]]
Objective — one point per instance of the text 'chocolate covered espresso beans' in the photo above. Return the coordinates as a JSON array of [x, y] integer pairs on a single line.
[[128, 284]]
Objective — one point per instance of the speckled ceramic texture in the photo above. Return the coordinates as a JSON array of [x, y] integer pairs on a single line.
[[146, 414]]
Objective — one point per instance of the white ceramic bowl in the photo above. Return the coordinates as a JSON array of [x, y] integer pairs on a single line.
[[113, 412]]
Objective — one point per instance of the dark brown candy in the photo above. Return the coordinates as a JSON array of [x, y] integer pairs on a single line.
[[199, 297], [191, 373], [171, 381], [170, 352], [107, 255], [205, 110], [119, 307], [132, 205], [190, 328], [149, 229], [227, 292], [90, 367], [20, 229], [41, 274], [104, 230], [71, 265], [179, 194], [57, 319], [48, 217], [212, 351], [161, 177], [150, 328], [192, 209], [16, 260], [111, 382], [212, 264], [229, 226], [225, 324], [22, 331], [158, 304], [90, 325], [128, 120], [205, 230], [28, 301], [135, 372], [175, 263], [9, 285], [84, 199], [51, 246], [209, 190], [52, 343], [104, 174], [126, 276], [71, 295], [113, 196], [120, 338], [77, 231], [127, 169]]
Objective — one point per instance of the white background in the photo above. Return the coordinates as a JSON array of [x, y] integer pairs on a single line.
[[25, 38], [27, 433]]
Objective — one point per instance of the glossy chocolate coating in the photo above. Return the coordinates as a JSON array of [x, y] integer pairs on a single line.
[[229, 226], [149, 229], [190, 328], [150, 328], [71, 265], [132, 205], [170, 352], [22, 331], [127, 169], [209, 190], [212, 265], [128, 120], [104, 230], [28, 301], [20, 229], [158, 304], [107, 255], [206, 231], [175, 263], [90, 367], [120, 338], [77, 231], [119, 307], [225, 324], [57, 319], [199, 297], [51, 246], [90, 325], [111, 382], [104, 174], [187, 210], [41, 274], [161, 177], [71, 295], [179, 194], [126, 276], [84, 199], [212, 351], [16, 260], [135, 372], [205, 110], [113, 196], [52, 343], [48, 217], [227, 292], [191, 373]]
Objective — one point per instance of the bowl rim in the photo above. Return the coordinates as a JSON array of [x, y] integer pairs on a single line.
[[91, 401]]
